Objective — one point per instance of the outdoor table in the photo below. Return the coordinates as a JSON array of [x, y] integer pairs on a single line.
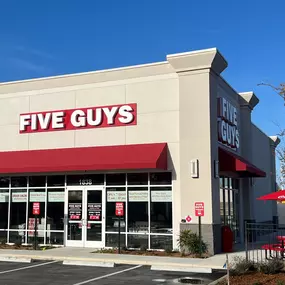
[[275, 248]]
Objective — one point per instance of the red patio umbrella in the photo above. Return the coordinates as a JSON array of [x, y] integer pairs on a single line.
[[276, 196]]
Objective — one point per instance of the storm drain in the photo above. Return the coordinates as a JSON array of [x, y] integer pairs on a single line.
[[190, 280]]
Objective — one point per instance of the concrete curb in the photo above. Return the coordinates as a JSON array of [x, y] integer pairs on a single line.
[[15, 259], [155, 265], [90, 263], [181, 269], [216, 282]]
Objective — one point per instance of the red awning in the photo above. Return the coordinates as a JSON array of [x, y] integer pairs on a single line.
[[123, 157], [232, 163], [276, 196]]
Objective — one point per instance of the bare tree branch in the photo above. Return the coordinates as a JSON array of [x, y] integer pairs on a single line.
[[280, 150], [280, 90]]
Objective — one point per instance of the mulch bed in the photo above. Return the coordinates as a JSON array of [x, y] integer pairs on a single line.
[[257, 279], [152, 253], [23, 247]]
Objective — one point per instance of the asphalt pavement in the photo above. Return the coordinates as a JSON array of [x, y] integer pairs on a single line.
[[54, 272]]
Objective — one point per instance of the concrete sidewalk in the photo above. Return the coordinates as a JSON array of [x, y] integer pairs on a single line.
[[85, 255]]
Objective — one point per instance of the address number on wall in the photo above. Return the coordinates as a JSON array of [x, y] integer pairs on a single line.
[[85, 181]]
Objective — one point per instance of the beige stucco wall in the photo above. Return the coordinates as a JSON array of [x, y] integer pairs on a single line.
[[158, 114], [262, 144], [157, 99], [176, 103]]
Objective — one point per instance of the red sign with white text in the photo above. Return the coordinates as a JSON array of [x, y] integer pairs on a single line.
[[119, 209], [199, 209], [80, 118], [36, 208]]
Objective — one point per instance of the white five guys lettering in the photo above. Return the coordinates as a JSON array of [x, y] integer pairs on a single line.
[[78, 118], [228, 131]]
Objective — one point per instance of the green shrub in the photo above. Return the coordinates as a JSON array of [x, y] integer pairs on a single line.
[[190, 242], [280, 282], [241, 266], [272, 266]]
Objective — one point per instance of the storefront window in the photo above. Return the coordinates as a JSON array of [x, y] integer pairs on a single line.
[[113, 195], [161, 242], [160, 178], [161, 210], [4, 182], [37, 181], [18, 209], [138, 241], [55, 209], [55, 180], [17, 237], [36, 195], [147, 200], [112, 240], [116, 179], [3, 237], [222, 209], [229, 204], [137, 178], [19, 182], [138, 210], [55, 238], [4, 208]]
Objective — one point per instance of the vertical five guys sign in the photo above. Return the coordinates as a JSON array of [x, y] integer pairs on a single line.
[[81, 118]]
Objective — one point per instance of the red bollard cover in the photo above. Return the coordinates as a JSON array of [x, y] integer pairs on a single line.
[[227, 239]]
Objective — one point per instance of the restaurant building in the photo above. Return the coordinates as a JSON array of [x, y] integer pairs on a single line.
[[156, 137]]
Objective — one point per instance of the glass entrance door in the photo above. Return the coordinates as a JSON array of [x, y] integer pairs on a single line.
[[85, 213]]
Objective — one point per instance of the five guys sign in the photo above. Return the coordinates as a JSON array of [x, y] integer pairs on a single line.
[[81, 118]]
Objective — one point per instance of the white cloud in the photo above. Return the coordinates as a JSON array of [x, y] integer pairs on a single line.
[[28, 65], [33, 51]]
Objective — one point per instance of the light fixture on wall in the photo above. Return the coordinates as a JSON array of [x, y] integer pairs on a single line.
[[216, 169], [194, 168]]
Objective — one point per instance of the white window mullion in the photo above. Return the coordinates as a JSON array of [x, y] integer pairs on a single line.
[[9, 210], [65, 212], [172, 213], [27, 211], [126, 211], [105, 211], [149, 200], [45, 216]]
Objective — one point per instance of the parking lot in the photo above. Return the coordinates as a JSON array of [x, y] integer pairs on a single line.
[[54, 272]]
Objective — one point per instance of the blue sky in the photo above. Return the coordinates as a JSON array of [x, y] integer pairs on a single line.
[[44, 38]]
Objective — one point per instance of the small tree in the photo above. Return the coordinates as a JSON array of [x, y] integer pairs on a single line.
[[280, 150]]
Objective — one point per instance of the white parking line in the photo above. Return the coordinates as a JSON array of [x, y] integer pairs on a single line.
[[107, 275], [27, 267]]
